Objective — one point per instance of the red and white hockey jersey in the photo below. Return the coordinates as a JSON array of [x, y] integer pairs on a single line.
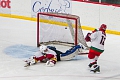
[[98, 39], [50, 54]]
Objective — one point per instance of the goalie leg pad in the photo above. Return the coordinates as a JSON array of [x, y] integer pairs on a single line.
[[71, 53]]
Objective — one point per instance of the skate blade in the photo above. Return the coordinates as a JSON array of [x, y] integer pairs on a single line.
[[92, 72]]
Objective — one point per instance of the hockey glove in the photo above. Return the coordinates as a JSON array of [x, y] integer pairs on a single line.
[[87, 38], [50, 63]]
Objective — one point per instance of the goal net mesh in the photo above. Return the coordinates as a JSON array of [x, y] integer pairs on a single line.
[[59, 28]]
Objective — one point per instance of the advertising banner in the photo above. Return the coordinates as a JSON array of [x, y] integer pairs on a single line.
[[57, 6], [5, 7]]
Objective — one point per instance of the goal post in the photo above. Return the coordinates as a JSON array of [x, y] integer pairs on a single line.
[[59, 28]]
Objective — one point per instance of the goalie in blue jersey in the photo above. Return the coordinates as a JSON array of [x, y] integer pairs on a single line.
[[67, 55]]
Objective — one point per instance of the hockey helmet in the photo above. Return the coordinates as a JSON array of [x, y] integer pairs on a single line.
[[43, 48], [103, 27]]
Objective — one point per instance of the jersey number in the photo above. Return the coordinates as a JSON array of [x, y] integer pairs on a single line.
[[102, 40]]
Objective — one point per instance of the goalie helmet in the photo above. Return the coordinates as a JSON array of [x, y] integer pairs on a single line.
[[43, 48], [103, 27]]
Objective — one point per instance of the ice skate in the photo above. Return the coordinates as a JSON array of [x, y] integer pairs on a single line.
[[96, 69], [91, 64]]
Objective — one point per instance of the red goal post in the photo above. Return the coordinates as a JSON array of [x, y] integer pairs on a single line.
[[68, 21]]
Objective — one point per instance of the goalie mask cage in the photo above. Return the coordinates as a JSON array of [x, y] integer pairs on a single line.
[[59, 28]]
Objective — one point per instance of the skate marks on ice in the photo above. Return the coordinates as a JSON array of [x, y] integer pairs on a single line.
[[109, 72], [114, 77]]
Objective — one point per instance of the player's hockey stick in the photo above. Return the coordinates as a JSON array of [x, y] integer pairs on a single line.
[[82, 53]]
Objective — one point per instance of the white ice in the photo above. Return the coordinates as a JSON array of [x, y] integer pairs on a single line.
[[16, 31]]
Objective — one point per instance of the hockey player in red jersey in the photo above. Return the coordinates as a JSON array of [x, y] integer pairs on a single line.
[[44, 55], [97, 39], [50, 55]]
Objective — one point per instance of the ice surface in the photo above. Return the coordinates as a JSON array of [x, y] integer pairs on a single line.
[[15, 32]]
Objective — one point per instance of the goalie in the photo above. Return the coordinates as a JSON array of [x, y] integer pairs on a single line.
[[50, 55]]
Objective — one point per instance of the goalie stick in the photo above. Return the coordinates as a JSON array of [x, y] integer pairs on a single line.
[[82, 53]]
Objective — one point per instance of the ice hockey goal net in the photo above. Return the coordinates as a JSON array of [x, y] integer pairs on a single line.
[[59, 28]]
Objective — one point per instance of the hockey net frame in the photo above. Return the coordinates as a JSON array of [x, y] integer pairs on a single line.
[[77, 33]]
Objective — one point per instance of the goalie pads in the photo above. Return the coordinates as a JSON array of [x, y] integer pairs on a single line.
[[87, 38], [71, 53]]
